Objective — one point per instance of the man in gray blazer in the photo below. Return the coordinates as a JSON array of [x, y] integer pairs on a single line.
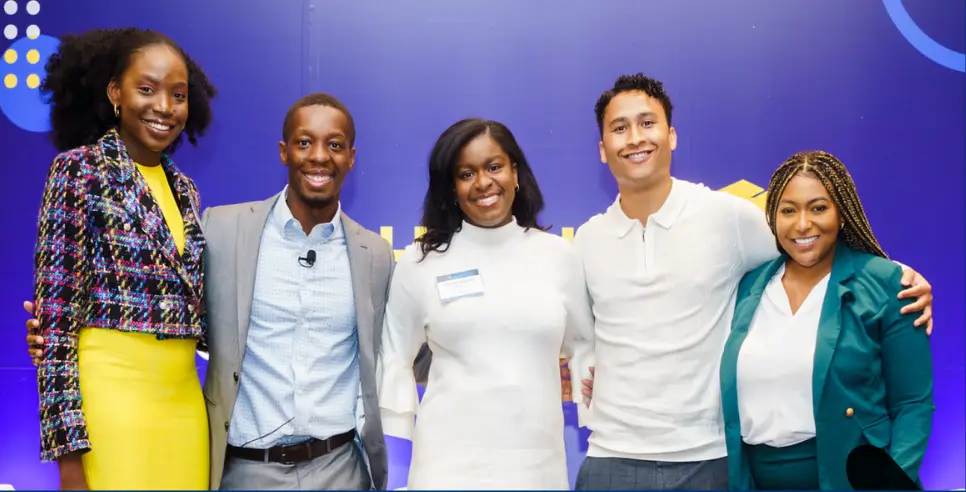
[[234, 235], [296, 292], [295, 297]]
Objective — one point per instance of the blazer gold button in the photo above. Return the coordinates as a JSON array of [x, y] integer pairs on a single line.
[[226, 425], [235, 375], [127, 227], [849, 412]]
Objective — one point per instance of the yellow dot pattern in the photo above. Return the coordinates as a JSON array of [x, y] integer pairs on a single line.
[[33, 81], [33, 56], [10, 81], [10, 56]]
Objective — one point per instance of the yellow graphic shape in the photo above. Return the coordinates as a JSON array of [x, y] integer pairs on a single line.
[[749, 191]]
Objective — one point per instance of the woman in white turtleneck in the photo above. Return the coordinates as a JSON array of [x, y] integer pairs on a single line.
[[498, 300]]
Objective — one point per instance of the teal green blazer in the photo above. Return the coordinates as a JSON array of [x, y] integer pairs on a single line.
[[872, 380]]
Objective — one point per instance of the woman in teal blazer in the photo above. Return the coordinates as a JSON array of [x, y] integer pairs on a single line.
[[820, 360]]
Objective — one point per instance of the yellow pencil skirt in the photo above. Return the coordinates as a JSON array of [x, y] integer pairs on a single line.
[[145, 413]]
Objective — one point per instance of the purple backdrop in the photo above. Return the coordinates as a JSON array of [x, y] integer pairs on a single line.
[[877, 83]]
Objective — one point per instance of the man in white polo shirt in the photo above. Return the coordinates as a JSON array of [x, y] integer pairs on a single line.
[[662, 266]]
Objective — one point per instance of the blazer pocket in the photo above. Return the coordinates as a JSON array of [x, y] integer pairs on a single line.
[[208, 399]]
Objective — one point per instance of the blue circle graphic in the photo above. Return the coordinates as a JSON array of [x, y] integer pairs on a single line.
[[921, 41], [22, 105]]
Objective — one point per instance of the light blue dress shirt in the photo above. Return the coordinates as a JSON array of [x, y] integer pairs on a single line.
[[300, 375]]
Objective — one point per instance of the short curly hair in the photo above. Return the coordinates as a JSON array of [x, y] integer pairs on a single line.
[[636, 82], [79, 72]]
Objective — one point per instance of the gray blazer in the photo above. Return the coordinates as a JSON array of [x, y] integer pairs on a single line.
[[233, 234]]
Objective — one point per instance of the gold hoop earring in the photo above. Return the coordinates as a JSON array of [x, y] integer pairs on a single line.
[[117, 111], [518, 187]]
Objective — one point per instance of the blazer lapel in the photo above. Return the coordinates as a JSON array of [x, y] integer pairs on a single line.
[[189, 261], [140, 204], [360, 266], [830, 323], [745, 310], [251, 222]]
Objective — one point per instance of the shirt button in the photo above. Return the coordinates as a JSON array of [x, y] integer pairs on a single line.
[[127, 227], [849, 412]]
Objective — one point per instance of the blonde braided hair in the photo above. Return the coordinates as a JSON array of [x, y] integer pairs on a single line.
[[856, 231]]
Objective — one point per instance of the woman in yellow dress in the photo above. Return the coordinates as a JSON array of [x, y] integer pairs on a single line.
[[118, 266]]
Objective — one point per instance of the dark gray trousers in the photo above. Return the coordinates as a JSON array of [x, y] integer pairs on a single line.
[[342, 469], [628, 474]]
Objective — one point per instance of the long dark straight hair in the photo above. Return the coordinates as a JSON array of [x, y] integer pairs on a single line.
[[442, 216]]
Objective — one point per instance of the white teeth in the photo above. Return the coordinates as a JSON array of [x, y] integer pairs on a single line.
[[158, 126], [807, 240], [639, 155], [486, 202], [318, 178]]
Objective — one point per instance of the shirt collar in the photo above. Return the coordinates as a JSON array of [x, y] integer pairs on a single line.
[[664, 217], [290, 228]]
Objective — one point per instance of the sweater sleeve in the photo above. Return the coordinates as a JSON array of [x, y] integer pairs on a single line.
[[403, 333], [579, 334]]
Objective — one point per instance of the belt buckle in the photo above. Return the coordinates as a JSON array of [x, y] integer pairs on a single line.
[[284, 458]]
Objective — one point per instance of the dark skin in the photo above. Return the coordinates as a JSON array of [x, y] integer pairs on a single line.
[[318, 144], [152, 98], [808, 224], [318, 155], [485, 182]]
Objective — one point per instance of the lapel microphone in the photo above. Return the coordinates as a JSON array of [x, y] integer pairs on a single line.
[[308, 260]]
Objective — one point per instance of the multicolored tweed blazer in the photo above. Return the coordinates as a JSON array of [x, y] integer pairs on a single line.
[[106, 258]]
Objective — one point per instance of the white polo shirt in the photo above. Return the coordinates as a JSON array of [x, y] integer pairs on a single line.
[[663, 296]]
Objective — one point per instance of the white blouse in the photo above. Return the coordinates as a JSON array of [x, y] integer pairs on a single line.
[[775, 367], [491, 416]]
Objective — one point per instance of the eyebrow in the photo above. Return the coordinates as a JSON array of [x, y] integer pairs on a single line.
[[813, 200], [623, 119], [485, 162], [154, 80]]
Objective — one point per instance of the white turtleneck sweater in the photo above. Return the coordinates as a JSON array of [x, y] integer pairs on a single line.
[[491, 416]]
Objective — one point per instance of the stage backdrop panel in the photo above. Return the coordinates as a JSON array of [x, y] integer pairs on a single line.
[[877, 83]]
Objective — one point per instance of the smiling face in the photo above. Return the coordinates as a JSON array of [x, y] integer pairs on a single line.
[[637, 140], [485, 182], [807, 222], [318, 156], [152, 98]]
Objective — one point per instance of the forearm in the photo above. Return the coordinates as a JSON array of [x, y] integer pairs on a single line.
[[911, 427]]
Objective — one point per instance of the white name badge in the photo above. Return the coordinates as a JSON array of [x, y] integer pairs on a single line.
[[461, 284]]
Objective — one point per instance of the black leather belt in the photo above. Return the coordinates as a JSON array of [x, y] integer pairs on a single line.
[[295, 453]]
